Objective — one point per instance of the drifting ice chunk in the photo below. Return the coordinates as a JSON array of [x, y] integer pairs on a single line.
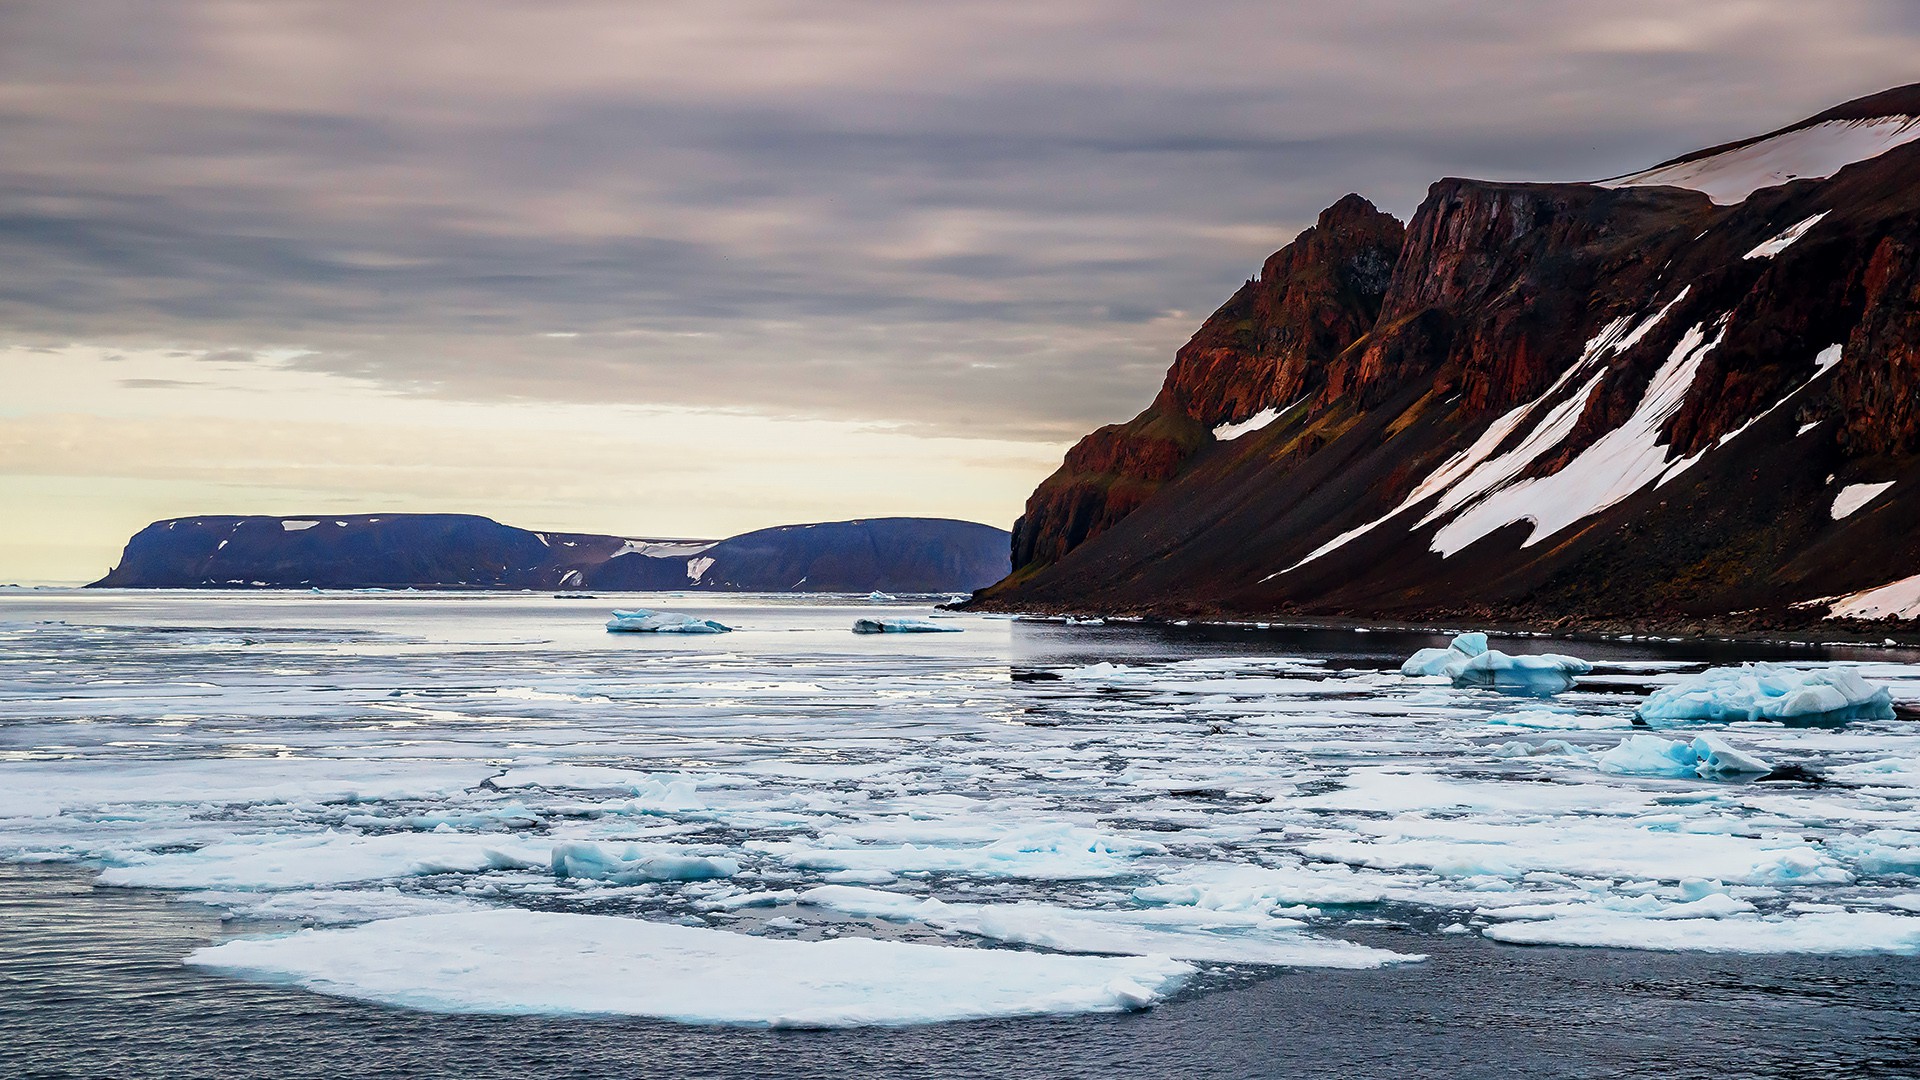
[[1651, 755], [901, 626], [1448, 660], [535, 962], [636, 863], [663, 622], [1770, 692], [1839, 933], [878, 597], [1185, 933], [1536, 673]]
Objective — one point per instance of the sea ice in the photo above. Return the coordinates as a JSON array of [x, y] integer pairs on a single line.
[[1541, 673], [1184, 933], [1707, 755], [1040, 852], [1770, 692], [901, 626], [1838, 933], [632, 863], [532, 962], [328, 858], [1448, 660], [663, 622], [1261, 889]]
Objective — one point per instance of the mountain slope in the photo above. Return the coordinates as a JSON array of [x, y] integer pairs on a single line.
[[1641, 398]]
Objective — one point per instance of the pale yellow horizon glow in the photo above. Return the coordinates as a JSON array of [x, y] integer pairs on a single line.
[[95, 443]]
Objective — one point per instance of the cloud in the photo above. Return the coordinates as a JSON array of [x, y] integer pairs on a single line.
[[988, 218]]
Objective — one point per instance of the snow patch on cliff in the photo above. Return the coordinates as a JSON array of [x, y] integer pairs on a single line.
[[1854, 496], [1900, 599], [1230, 432], [1617, 465], [1785, 240]]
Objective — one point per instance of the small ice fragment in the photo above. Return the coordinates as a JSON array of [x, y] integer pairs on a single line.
[[1541, 673], [1438, 661], [901, 626], [1770, 692], [641, 621], [1650, 755], [635, 863], [1706, 756], [1717, 758]]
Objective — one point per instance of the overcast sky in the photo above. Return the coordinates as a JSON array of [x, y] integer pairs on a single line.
[[693, 268]]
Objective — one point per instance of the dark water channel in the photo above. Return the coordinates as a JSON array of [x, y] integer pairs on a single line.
[[91, 986]]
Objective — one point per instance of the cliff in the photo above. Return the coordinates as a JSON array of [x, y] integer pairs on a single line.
[[466, 551], [1265, 347], [1675, 394]]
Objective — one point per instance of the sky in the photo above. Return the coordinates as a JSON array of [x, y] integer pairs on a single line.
[[688, 269]]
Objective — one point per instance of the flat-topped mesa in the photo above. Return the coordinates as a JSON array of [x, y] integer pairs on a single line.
[[1266, 347], [464, 551]]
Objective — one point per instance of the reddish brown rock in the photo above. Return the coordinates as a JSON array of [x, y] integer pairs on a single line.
[[1496, 294]]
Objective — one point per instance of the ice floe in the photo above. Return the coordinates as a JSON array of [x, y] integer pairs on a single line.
[[663, 622], [1184, 932], [1770, 692], [902, 626], [1706, 755], [1447, 661], [519, 962], [1839, 933], [1470, 663], [1543, 673]]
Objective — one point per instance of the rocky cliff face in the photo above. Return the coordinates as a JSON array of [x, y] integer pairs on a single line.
[[1266, 347], [1671, 393], [465, 551]]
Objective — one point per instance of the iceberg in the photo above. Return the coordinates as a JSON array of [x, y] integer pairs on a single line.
[[515, 961], [1706, 756], [1770, 692], [641, 621], [878, 597], [1438, 661], [901, 626], [1534, 673]]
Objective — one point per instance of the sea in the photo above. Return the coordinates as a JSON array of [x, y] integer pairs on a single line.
[[426, 834]]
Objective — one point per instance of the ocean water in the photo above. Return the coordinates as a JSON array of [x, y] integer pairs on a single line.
[[1358, 874]]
